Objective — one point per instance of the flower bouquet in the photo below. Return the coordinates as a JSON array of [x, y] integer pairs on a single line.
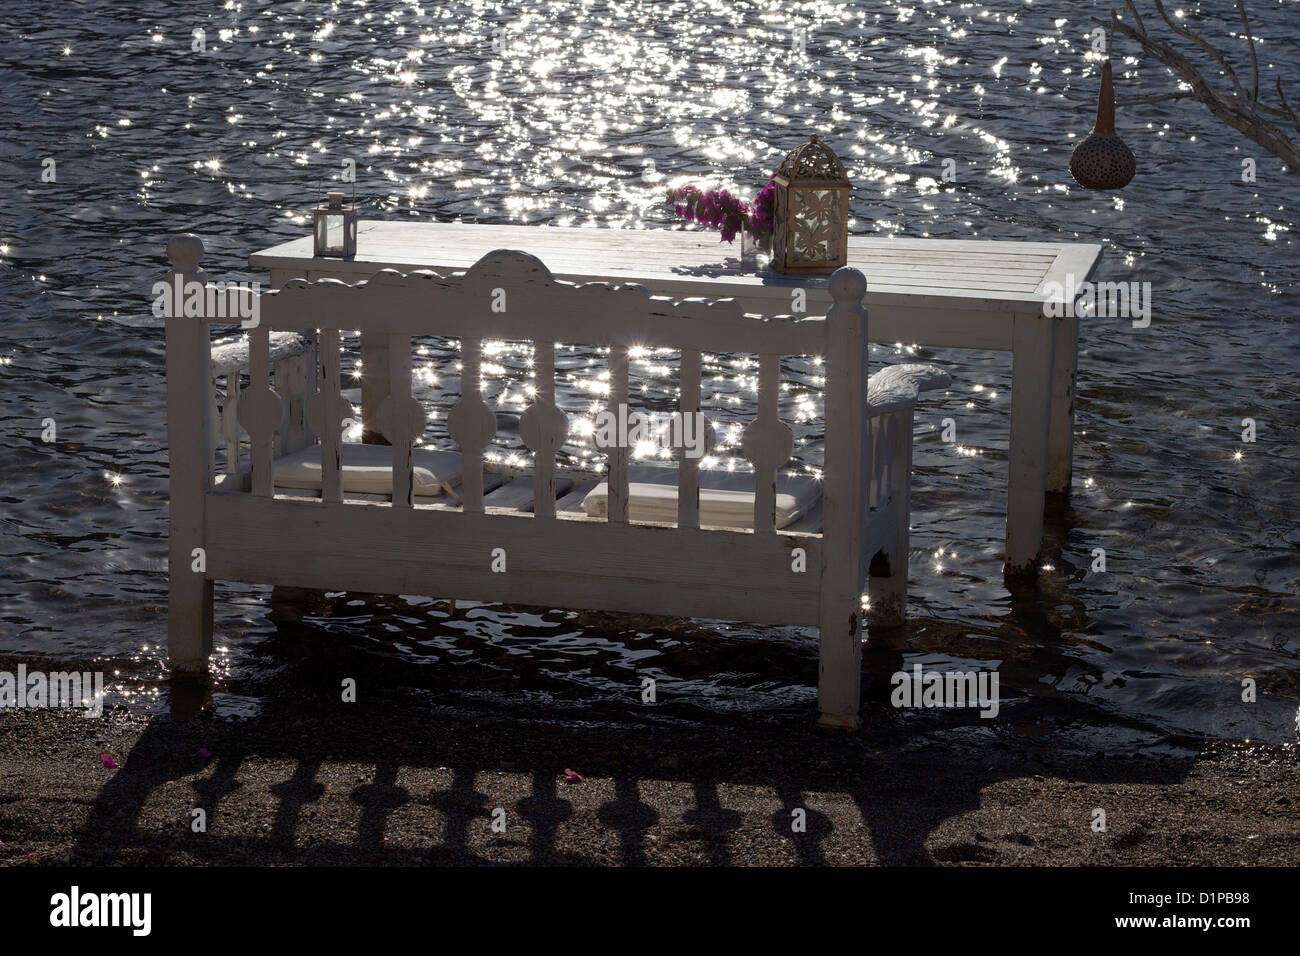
[[719, 209]]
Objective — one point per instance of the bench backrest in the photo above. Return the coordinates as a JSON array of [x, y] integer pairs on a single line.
[[512, 295]]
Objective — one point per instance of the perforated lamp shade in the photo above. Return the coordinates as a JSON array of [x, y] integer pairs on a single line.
[[1102, 161]]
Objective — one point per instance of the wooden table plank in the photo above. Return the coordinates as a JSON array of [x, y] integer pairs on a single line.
[[986, 275]]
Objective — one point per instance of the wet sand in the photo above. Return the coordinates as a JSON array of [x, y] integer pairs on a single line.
[[402, 787]]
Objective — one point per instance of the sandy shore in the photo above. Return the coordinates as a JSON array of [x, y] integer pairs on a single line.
[[373, 788]]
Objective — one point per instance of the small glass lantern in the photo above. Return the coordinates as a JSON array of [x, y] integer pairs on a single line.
[[336, 228], [810, 235]]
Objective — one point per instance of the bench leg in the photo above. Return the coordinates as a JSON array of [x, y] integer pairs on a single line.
[[839, 681], [189, 622], [839, 668]]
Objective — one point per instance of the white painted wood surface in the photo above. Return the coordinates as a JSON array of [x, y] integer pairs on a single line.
[[554, 557], [847, 474], [646, 569], [688, 467], [1060, 450], [544, 428], [975, 274], [190, 465], [934, 292], [1031, 406]]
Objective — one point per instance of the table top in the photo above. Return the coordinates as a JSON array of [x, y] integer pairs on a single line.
[[970, 274]]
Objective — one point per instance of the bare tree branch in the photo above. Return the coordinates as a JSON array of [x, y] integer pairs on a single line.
[[1287, 106], [1137, 17], [1243, 112], [1090, 99], [1204, 44]]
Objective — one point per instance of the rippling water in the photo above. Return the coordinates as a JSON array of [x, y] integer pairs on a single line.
[[577, 113]]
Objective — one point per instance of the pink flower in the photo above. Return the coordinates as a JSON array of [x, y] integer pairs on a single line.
[[109, 762], [572, 776], [203, 753], [718, 209], [761, 217]]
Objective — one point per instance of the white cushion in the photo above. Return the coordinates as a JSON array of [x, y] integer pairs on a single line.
[[368, 469], [720, 507]]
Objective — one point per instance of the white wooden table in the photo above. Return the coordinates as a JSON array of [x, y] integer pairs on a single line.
[[973, 294]]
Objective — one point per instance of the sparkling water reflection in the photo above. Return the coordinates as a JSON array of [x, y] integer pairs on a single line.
[[580, 113]]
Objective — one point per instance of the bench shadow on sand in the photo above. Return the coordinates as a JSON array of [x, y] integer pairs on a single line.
[[905, 777]]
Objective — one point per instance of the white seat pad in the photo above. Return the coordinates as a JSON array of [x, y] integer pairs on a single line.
[[726, 498], [368, 469]]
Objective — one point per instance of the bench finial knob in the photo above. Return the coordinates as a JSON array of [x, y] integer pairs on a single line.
[[185, 252], [848, 285]]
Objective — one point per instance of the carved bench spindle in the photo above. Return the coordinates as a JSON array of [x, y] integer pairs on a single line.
[[261, 412], [401, 418], [543, 428], [291, 381], [471, 424], [688, 469], [767, 442], [876, 426], [618, 453], [230, 422], [325, 412]]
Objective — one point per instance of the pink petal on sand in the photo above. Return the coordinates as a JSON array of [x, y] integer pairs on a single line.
[[572, 777], [109, 762], [203, 753]]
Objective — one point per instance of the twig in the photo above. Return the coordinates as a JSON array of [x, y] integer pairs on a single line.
[[1243, 113], [1254, 61], [1204, 44], [1091, 98]]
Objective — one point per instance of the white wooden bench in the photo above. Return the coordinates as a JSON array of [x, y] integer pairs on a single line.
[[812, 572]]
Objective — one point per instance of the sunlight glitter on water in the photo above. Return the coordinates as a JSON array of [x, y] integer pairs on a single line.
[[555, 125]]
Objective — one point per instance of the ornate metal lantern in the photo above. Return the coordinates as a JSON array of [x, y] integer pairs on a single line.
[[810, 235], [336, 228]]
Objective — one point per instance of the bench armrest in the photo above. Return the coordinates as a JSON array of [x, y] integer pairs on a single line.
[[231, 355], [896, 387]]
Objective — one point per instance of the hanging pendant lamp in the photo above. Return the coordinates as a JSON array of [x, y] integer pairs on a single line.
[[1102, 161]]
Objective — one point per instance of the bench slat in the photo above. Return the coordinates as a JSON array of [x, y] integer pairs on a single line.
[[767, 442], [257, 414], [544, 401], [331, 438], [471, 424], [230, 422], [399, 430], [688, 469], [618, 452]]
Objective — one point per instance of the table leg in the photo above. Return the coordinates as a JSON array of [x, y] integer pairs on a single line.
[[1033, 351], [1060, 448], [374, 385]]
